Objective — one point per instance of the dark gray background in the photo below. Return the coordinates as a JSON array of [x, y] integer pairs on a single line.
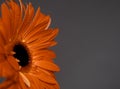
[[89, 42]]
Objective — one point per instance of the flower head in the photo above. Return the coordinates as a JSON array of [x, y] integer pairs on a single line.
[[26, 62]]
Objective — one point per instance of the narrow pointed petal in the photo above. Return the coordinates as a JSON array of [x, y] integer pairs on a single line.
[[5, 16], [22, 85], [29, 13], [13, 62], [36, 47], [35, 30], [30, 29], [25, 79], [15, 15], [44, 77], [42, 37], [45, 53], [5, 20], [35, 82], [47, 65]]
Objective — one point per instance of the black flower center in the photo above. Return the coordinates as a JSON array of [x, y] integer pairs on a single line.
[[21, 54]]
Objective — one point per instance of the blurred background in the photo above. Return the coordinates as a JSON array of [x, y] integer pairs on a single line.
[[88, 50]]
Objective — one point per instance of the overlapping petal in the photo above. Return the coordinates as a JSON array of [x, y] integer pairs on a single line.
[[19, 24]]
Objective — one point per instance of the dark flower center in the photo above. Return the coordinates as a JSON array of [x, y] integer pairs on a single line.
[[21, 54]]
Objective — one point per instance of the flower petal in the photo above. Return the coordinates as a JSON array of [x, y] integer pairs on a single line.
[[43, 36], [22, 85], [28, 17], [48, 54], [8, 73], [45, 45], [13, 62], [44, 77], [25, 79], [5, 16], [5, 24], [47, 65], [35, 82], [16, 16]]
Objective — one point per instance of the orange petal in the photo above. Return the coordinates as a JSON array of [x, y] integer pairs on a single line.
[[13, 62], [5, 19], [5, 16], [16, 15], [35, 82], [30, 29], [37, 47], [25, 79], [44, 77], [38, 36], [21, 83], [3, 38], [44, 53], [44, 36], [29, 13], [47, 65], [9, 74]]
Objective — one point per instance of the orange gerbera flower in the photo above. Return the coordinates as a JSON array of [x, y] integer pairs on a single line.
[[26, 62]]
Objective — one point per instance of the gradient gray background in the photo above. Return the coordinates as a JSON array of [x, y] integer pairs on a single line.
[[89, 42]]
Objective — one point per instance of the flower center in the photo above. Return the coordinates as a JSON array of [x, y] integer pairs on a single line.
[[22, 55]]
